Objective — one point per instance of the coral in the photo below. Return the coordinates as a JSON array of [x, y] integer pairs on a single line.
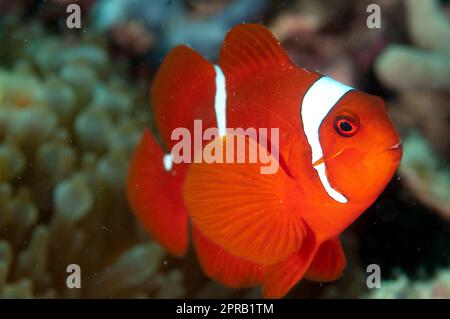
[[425, 176], [426, 66], [68, 125], [402, 287], [420, 74]]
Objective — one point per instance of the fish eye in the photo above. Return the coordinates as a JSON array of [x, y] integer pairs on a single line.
[[346, 125]]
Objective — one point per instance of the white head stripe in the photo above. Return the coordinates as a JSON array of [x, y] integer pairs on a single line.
[[317, 103], [220, 101], [167, 162], [320, 168]]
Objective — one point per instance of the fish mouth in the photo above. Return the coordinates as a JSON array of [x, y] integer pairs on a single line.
[[395, 146], [394, 151]]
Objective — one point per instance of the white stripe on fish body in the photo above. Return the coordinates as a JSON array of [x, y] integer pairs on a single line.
[[167, 162], [220, 101], [317, 103], [321, 171]]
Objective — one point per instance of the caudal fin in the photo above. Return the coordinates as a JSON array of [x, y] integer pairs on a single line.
[[154, 194], [183, 90]]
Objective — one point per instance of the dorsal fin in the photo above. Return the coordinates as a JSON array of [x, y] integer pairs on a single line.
[[183, 89], [250, 47]]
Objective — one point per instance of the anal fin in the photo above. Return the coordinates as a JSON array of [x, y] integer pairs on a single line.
[[329, 262], [280, 278], [229, 270]]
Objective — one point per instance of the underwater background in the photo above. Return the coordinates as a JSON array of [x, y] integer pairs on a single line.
[[74, 102]]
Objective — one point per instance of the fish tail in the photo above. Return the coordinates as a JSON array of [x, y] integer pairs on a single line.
[[154, 194], [182, 89]]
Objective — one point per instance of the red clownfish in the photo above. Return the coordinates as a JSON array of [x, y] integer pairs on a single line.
[[336, 152]]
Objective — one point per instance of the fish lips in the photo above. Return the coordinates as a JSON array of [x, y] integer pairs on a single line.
[[392, 153]]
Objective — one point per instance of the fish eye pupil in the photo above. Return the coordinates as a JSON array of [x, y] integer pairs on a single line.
[[345, 126]]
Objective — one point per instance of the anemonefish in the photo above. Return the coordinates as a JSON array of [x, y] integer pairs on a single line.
[[337, 151]]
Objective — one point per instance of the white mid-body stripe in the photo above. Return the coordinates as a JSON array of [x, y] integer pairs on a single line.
[[220, 101], [220, 107], [167, 162], [317, 103]]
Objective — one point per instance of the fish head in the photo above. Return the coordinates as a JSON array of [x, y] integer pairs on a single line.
[[361, 147]]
